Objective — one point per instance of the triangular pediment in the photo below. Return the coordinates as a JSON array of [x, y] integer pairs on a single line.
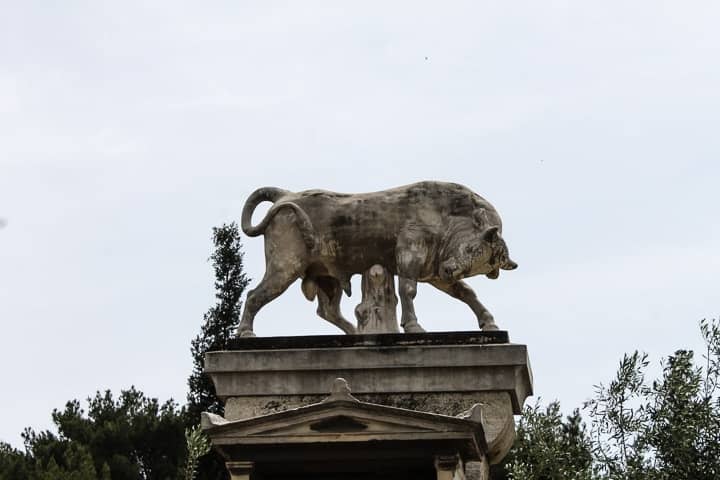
[[342, 421], [333, 419]]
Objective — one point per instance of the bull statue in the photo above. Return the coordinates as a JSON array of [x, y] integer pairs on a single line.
[[431, 232]]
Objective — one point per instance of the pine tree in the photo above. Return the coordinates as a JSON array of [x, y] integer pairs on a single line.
[[134, 436], [219, 326], [14, 464], [125, 438]]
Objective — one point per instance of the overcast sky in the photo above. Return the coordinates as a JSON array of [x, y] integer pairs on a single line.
[[129, 129]]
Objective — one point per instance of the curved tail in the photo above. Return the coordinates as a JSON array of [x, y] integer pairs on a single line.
[[265, 194], [272, 194]]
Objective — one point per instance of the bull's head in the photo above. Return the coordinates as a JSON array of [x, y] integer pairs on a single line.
[[476, 251], [494, 255]]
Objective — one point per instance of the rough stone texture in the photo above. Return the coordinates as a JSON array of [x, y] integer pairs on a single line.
[[445, 403], [449, 467], [433, 232], [498, 422], [387, 369], [304, 342], [415, 372], [377, 311], [477, 471], [348, 437], [497, 415]]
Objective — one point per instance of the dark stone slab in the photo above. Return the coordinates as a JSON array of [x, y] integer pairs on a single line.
[[375, 340]]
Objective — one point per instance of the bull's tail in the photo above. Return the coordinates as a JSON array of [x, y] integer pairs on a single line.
[[272, 194], [265, 194]]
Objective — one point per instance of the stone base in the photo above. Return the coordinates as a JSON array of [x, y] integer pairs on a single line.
[[440, 373], [343, 437]]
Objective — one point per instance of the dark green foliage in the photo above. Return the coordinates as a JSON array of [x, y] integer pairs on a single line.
[[128, 438], [548, 447], [221, 321], [219, 326], [13, 463], [75, 463], [683, 434], [666, 430]]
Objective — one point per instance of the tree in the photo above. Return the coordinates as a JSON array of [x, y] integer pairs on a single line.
[[221, 321], [219, 326], [660, 430], [197, 446], [548, 447], [684, 411], [619, 420], [665, 430], [76, 463], [131, 437], [13, 463]]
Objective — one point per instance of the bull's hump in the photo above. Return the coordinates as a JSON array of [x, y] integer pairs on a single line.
[[323, 193], [426, 186]]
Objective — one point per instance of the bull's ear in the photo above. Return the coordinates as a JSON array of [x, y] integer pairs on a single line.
[[491, 234]]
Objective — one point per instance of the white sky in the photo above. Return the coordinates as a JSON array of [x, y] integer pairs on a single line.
[[129, 129]]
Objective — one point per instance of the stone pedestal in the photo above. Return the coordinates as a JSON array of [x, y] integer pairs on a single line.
[[424, 381]]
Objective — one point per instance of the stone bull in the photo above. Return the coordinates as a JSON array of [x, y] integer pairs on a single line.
[[431, 232]]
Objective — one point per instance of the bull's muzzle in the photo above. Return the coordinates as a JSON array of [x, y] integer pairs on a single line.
[[509, 265]]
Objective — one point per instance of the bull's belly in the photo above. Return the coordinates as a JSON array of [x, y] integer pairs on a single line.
[[356, 257], [342, 261]]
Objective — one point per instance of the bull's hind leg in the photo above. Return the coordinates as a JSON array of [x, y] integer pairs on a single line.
[[329, 296], [285, 261], [274, 283], [464, 293]]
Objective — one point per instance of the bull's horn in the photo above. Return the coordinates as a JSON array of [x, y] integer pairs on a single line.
[[490, 234]]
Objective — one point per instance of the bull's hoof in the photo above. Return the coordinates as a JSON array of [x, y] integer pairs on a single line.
[[490, 327], [413, 328], [246, 333]]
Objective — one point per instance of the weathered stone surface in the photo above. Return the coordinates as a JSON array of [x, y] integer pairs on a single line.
[[395, 369], [495, 337], [498, 422], [497, 414], [477, 470], [431, 232], [449, 467], [445, 403], [435, 373], [342, 434], [377, 311]]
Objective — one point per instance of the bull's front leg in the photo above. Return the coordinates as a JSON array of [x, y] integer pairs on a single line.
[[462, 291], [408, 290]]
